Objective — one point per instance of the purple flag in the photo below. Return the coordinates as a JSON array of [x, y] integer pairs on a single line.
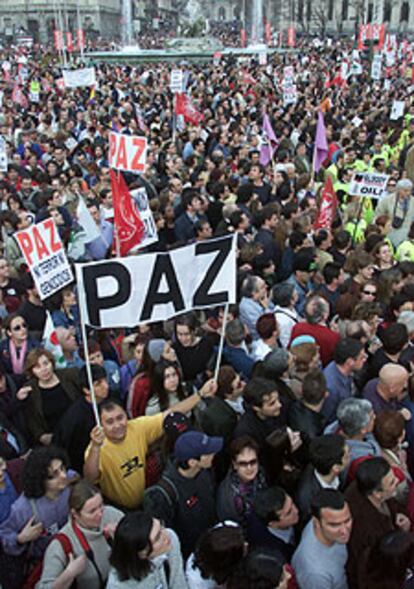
[[269, 142], [320, 152]]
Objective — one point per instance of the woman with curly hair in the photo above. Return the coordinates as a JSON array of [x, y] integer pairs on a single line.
[[40, 511]]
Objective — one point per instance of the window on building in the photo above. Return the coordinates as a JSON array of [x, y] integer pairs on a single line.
[[345, 8], [405, 12], [370, 12], [222, 13], [387, 11], [331, 10], [300, 10]]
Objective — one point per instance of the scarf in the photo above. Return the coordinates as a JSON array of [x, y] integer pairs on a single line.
[[17, 356]]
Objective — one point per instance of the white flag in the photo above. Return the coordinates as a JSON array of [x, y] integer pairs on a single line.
[[51, 343], [86, 221]]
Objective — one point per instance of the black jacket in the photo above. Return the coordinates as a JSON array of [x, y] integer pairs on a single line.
[[187, 506]]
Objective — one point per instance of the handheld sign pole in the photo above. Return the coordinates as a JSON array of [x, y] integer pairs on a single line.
[[82, 302], [220, 349], [117, 240]]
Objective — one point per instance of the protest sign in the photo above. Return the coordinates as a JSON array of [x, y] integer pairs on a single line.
[[262, 58], [290, 94], [45, 256], [368, 184], [376, 67], [125, 292], [127, 152], [3, 155], [81, 77], [176, 81], [140, 199], [397, 110]]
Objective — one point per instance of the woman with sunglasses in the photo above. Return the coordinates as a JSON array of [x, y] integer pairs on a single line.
[[15, 348], [51, 393], [90, 529], [368, 292], [242, 483], [145, 555]]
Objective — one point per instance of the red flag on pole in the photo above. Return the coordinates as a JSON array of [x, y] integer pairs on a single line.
[[58, 36], [243, 37], [184, 106], [291, 40], [81, 39], [129, 227], [327, 206], [69, 42], [268, 33]]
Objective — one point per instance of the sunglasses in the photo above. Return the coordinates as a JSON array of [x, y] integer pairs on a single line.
[[19, 327], [246, 463], [370, 292]]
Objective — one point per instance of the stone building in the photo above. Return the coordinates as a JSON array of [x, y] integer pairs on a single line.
[[317, 15]]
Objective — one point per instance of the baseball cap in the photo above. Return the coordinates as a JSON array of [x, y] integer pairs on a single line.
[[195, 444], [302, 339]]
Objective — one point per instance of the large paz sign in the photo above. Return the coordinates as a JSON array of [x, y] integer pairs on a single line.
[[125, 292], [45, 256], [368, 184]]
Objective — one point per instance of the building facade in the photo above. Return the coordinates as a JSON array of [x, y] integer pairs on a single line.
[[103, 18], [320, 15]]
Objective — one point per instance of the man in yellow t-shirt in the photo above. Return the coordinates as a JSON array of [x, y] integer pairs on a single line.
[[116, 457]]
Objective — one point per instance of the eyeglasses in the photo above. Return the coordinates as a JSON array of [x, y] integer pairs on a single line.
[[19, 327], [247, 463], [370, 292]]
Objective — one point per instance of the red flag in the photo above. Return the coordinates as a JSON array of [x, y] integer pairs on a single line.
[[58, 37], [291, 41], [184, 106], [381, 40], [129, 227], [69, 41], [361, 37], [327, 206], [243, 37], [268, 33], [81, 39]]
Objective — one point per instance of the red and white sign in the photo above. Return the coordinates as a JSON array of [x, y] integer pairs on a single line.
[[58, 37], [45, 256], [127, 152]]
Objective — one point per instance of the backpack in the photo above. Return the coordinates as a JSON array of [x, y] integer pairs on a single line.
[[167, 489], [36, 573]]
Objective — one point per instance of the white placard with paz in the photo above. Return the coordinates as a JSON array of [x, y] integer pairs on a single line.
[[397, 110], [45, 256]]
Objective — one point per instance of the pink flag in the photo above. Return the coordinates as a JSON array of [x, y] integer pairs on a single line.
[[320, 151], [269, 141], [19, 97]]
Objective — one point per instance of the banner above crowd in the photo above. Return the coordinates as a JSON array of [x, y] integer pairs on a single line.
[[125, 292]]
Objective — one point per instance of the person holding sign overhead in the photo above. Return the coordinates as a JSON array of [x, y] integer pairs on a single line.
[[116, 456]]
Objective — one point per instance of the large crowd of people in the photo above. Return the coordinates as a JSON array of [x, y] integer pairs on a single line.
[[294, 467]]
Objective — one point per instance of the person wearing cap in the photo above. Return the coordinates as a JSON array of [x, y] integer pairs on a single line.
[[116, 457], [73, 430], [400, 208], [184, 497]]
